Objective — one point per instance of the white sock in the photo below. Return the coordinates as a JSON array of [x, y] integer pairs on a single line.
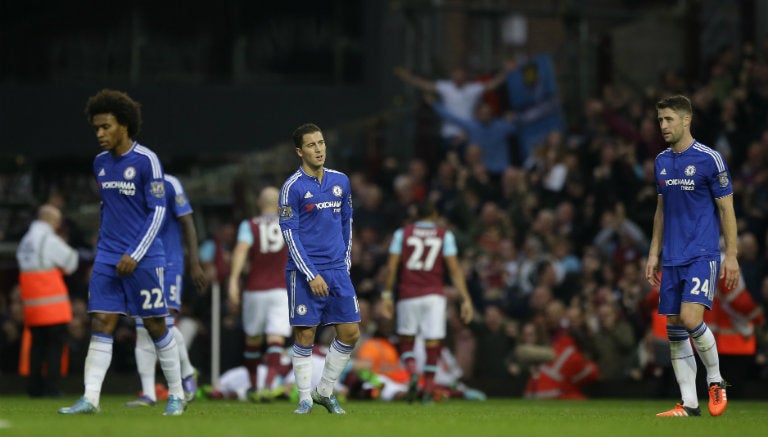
[[335, 362], [96, 364], [684, 364], [146, 361], [188, 328], [186, 366], [168, 354], [706, 346], [302, 370]]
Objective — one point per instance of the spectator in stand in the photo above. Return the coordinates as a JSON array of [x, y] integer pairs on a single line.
[[491, 133], [620, 239], [611, 342], [460, 97], [495, 340]]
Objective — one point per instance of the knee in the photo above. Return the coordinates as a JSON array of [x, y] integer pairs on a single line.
[[104, 323], [349, 337], [156, 327], [690, 321]]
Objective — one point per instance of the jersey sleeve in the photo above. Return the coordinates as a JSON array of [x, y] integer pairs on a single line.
[[396, 246], [449, 244], [719, 177], [178, 202], [346, 223], [245, 233], [155, 204], [289, 212]]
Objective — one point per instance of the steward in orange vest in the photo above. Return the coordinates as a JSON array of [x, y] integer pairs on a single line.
[[733, 320], [43, 258]]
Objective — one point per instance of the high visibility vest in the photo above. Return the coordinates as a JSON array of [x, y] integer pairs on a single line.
[[43, 257], [45, 298], [733, 318], [563, 377]]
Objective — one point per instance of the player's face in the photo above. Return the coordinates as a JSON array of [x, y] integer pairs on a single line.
[[673, 126], [312, 151], [112, 136]]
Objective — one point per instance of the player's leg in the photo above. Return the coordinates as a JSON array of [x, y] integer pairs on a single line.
[[173, 293], [146, 361], [302, 365], [698, 295], [432, 327], [304, 313], [150, 305], [106, 301], [344, 311], [277, 329], [253, 337], [408, 316], [681, 352]]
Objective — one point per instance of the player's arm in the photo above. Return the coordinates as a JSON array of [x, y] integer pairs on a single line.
[[154, 194], [458, 281], [387, 298], [451, 256], [413, 80], [239, 257], [189, 235], [289, 225], [346, 226], [653, 266], [730, 268]]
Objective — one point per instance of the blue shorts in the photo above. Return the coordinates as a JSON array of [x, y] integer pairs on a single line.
[[306, 309], [172, 289], [693, 283], [138, 294]]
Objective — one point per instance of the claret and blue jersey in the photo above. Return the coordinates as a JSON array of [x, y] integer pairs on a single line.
[[690, 182], [133, 206], [323, 208]]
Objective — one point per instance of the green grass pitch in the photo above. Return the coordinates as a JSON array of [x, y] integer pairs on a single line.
[[21, 416]]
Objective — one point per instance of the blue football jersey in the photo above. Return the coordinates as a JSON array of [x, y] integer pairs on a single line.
[[316, 221], [132, 207], [690, 182], [178, 205]]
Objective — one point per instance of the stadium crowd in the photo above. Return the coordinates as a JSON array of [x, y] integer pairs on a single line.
[[553, 247]]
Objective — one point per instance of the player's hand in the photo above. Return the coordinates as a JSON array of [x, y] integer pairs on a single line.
[[387, 308], [318, 286], [730, 269], [467, 311], [234, 292], [126, 266], [652, 271], [198, 276]]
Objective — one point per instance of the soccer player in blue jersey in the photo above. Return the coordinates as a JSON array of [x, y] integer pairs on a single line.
[[127, 276], [316, 222], [178, 231], [695, 202]]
